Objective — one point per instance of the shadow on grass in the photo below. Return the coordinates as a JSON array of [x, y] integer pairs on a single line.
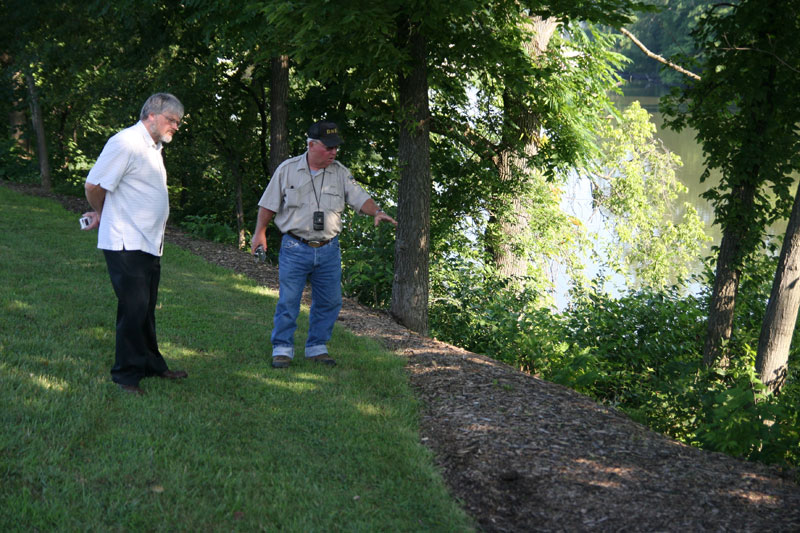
[[237, 445]]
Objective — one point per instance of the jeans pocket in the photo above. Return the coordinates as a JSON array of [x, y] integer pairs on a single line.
[[290, 244]]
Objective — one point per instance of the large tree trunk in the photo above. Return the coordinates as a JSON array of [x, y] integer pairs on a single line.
[[781, 315], [38, 129], [279, 113], [412, 246], [509, 228]]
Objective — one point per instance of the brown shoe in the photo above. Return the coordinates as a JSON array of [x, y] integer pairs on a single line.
[[173, 374], [324, 359], [131, 389], [281, 361]]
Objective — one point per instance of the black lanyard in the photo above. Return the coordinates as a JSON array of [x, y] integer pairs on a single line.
[[321, 185]]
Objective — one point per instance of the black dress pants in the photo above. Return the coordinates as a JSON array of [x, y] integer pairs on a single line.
[[135, 276]]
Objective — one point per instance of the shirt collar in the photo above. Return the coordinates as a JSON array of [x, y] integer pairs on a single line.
[[148, 139], [303, 163]]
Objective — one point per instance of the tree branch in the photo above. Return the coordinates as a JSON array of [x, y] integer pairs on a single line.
[[735, 48], [657, 57]]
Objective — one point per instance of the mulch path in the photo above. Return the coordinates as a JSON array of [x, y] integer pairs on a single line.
[[522, 454]]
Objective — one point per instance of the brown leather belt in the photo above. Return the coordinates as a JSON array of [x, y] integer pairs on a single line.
[[313, 244]]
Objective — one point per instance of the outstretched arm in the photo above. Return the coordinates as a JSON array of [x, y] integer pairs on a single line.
[[371, 208]]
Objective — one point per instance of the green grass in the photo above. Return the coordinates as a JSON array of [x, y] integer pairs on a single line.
[[237, 446]]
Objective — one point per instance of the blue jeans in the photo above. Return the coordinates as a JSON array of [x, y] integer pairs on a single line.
[[298, 263]]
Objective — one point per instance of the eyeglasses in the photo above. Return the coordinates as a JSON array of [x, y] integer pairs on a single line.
[[174, 121], [324, 146]]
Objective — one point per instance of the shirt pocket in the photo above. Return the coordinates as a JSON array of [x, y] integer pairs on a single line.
[[332, 199], [292, 198]]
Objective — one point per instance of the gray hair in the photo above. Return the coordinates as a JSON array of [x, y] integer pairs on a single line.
[[159, 103]]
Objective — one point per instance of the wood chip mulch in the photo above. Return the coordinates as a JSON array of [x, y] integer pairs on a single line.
[[522, 454]]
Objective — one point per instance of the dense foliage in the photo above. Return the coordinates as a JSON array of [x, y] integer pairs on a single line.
[[640, 351]]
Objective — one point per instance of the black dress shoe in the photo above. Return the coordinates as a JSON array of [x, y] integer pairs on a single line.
[[131, 389], [173, 374]]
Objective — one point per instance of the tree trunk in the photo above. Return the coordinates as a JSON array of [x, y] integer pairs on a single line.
[[781, 315], [411, 275], [726, 280], [38, 129], [279, 113], [237, 174], [507, 231], [16, 117], [740, 235], [723, 299]]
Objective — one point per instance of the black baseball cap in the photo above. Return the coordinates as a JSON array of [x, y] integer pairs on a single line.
[[327, 132]]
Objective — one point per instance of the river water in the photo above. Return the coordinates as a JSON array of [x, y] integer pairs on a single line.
[[684, 145]]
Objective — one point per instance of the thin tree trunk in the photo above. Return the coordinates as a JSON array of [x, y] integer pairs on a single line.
[[507, 231], [772, 359], [16, 117], [38, 129], [739, 235], [412, 247], [242, 237], [279, 113], [723, 300]]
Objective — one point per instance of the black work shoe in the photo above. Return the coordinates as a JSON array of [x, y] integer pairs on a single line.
[[174, 374], [324, 359], [281, 361], [131, 389]]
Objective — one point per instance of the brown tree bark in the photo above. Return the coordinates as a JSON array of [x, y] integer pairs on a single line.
[[772, 359], [16, 117], [726, 284], [412, 246], [508, 229], [240, 224], [38, 129], [723, 300]]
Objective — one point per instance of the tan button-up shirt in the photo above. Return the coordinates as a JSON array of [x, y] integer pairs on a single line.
[[291, 196]]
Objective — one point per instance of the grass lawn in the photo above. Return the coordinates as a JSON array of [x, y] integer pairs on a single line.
[[237, 446]]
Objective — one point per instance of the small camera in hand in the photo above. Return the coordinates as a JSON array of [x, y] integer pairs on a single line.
[[319, 221], [261, 254], [85, 222]]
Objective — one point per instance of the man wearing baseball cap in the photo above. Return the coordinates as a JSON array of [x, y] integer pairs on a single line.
[[306, 197]]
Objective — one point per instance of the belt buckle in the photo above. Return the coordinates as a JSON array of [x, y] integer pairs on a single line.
[[315, 244]]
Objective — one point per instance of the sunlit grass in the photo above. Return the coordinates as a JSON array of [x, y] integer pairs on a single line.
[[237, 446]]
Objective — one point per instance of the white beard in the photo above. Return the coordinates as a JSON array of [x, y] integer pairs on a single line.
[[153, 130]]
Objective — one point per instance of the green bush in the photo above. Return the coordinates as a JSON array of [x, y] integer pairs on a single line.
[[367, 260], [641, 353], [473, 308], [208, 227], [16, 165]]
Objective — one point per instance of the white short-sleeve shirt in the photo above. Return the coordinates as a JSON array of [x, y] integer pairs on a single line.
[[131, 170]]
